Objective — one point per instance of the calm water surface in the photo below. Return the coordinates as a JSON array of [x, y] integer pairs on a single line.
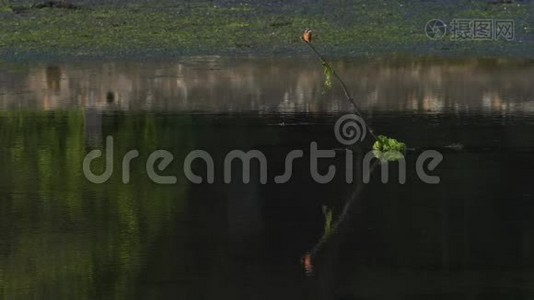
[[469, 237]]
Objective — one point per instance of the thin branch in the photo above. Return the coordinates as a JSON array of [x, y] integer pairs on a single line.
[[345, 90]]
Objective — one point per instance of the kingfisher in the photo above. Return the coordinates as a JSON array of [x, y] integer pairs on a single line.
[[307, 36]]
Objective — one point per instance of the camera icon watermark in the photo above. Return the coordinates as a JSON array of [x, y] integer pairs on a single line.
[[435, 29]]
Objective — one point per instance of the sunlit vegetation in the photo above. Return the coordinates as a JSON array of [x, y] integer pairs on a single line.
[[388, 149]]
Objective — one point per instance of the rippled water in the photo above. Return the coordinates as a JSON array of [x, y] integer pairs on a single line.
[[470, 236]]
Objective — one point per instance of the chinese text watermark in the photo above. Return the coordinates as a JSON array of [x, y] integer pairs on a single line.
[[471, 29]]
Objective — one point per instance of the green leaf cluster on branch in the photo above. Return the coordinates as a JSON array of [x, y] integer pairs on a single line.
[[388, 149]]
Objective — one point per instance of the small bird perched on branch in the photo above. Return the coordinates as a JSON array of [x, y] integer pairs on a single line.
[[307, 36]]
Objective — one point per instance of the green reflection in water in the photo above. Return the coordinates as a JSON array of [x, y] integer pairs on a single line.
[[63, 237]]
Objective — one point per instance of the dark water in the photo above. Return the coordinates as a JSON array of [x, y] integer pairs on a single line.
[[469, 237]]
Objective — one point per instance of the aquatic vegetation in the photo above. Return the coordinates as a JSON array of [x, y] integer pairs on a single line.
[[155, 29], [388, 149], [385, 144], [4, 8]]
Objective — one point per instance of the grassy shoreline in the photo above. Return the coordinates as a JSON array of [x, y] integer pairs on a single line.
[[354, 28]]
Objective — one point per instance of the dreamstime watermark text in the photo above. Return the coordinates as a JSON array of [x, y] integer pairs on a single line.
[[349, 130]]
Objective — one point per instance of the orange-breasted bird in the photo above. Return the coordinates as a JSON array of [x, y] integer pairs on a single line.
[[307, 36]]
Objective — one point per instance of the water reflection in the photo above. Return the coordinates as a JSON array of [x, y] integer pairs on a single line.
[[214, 84], [63, 237]]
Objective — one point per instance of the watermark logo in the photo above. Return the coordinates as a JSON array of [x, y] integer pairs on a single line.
[[471, 29], [349, 129], [435, 29]]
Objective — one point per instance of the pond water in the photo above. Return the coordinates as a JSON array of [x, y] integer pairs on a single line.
[[63, 237]]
